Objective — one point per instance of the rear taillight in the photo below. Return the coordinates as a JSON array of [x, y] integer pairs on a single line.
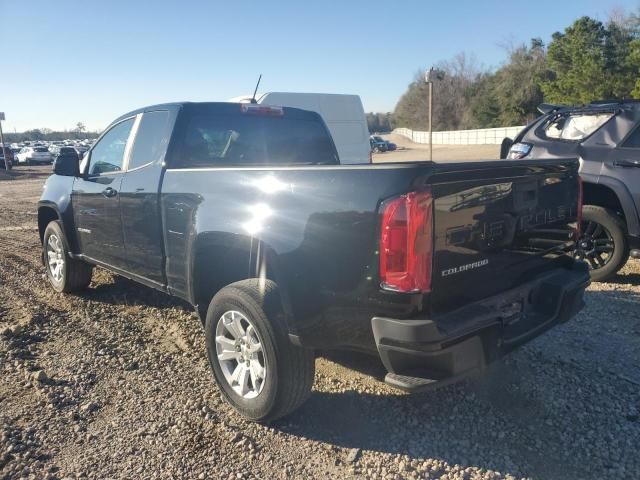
[[579, 209], [406, 243]]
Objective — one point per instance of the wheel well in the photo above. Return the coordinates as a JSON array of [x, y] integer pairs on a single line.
[[602, 196], [215, 267], [45, 216]]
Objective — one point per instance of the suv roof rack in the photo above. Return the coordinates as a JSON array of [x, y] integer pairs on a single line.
[[615, 101]]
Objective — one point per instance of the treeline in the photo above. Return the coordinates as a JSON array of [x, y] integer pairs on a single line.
[[380, 122], [45, 134], [590, 60]]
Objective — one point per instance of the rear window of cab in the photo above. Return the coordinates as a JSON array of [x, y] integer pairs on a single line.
[[226, 135]]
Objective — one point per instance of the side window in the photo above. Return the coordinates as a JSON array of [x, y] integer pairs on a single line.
[[633, 140], [108, 154], [152, 139], [575, 126]]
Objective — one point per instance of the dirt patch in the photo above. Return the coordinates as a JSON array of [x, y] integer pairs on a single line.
[[409, 151]]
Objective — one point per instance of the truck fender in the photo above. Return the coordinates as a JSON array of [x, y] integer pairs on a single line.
[[624, 197], [219, 259]]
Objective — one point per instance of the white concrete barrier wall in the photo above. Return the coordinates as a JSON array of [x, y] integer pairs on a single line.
[[482, 136]]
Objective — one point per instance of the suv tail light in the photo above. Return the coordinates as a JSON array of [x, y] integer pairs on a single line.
[[406, 243], [579, 209], [519, 150]]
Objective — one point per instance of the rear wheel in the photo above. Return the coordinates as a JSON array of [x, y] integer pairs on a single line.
[[603, 242], [64, 273], [260, 372]]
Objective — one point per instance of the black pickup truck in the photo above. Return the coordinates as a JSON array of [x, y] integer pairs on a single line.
[[245, 211]]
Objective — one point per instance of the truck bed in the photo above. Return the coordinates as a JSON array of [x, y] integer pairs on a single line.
[[316, 230]]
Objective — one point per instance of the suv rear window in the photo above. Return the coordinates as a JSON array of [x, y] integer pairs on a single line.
[[571, 126], [221, 135], [41, 149]]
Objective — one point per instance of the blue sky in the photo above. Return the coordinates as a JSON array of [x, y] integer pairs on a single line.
[[71, 61]]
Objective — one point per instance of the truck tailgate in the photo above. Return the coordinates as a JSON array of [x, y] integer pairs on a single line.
[[497, 224]]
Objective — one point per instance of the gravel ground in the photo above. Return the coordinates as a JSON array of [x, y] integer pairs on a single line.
[[113, 383]]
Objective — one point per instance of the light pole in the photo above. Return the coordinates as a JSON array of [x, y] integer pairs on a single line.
[[4, 148], [429, 76]]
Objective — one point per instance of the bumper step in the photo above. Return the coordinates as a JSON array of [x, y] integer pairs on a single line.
[[418, 384], [409, 384]]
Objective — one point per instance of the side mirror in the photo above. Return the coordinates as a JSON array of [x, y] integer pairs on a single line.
[[504, 147], [67, 166]]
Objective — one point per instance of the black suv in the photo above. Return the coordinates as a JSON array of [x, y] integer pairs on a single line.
[[605, 136]]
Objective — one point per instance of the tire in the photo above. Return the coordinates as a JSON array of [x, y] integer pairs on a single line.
[[603, 242], [74, 274], [288, 370]]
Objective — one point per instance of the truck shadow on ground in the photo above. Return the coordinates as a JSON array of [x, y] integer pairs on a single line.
[[507, 418], [625, 279], [464, 424]]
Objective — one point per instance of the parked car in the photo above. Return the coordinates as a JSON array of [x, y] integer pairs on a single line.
[[378, 144], [80, 150], [36, 154], [57, 150], [9, 154], [245, 212], [605, 136], [390, 146]]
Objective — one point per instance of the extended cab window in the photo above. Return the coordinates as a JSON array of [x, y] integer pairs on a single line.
[[151, 140], [107, 155], [223, 135], [571, 126]]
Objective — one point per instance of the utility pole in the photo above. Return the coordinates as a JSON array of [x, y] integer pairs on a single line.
[[4, 147], [430, 85], [429, 76]]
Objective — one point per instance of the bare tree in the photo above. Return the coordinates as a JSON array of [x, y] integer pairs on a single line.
[[450, 99]]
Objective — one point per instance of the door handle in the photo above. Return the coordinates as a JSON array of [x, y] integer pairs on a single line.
[[627, 163], [109, 192]]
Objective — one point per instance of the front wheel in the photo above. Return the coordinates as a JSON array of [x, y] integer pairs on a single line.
[[603, 243], [64, 273], [259, 371]]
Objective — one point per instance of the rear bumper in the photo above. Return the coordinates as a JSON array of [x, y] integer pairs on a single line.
[[426, 352]]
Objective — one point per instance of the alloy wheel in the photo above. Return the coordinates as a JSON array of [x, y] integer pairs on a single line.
[[595, 245], [55, 257], [240, 354]]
